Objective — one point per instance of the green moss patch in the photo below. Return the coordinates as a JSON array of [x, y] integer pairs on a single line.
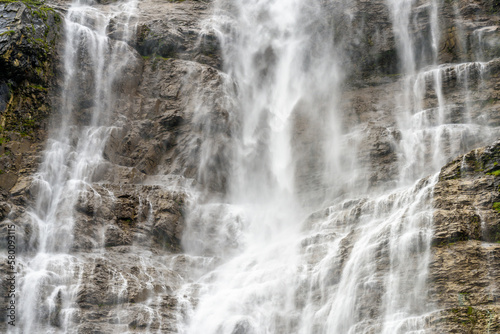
[[8, 32], [26, 2], [496, 206], [494, 173]]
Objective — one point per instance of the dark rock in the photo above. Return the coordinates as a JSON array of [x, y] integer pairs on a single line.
[[178, 31]]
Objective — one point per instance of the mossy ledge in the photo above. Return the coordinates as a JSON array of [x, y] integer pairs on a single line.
[[29, 35], [28, 43]]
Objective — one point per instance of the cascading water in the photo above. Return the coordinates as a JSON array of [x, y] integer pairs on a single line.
[[361, 265], [299, 238], [50, 275], [430, 137]]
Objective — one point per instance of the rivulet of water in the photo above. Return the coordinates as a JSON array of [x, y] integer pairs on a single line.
[[50, 274]]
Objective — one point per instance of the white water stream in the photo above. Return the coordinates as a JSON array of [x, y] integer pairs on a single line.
[[361, 264], [49, 273]]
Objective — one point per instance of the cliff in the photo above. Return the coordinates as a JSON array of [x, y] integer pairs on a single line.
[[174, 105]]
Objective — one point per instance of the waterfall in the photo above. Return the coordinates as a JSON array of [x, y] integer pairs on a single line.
[[360, 264], [301, 208], [93, 65]]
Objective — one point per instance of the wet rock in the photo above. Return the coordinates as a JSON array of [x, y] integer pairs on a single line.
[[27, 39], [178, 31], [180, 124], [117, 215], [4, 210], [167, 231], [465, 198], [21, 187], [28, 51], [126, 279], [464, 269], [114, 236], [174, 117]]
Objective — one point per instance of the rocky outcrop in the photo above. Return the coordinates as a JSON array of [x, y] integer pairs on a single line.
[[29, 40], [464, 272], [467, 37], [112, 215], [181, 113], [471, 30], [178, 30]]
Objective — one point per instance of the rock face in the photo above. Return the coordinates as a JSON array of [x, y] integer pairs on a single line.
[[28, 44], [178, 31], [181, 107], [179, 121], [29, 40], [465, 267]]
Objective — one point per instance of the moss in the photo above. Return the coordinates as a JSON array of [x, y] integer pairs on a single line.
[[43, 12], [143, 33], [8, 32], [126, 223], [39, 87], [494, 173], [479, 165], [26, 109], [496, 206], [29, 3], [472, 318], [155, 58]]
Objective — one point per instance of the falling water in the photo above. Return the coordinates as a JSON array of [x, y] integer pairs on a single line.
[[361, 264], [300, 242], [93, 64]]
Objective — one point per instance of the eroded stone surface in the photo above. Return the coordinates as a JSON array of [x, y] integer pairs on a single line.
[[465, 270]]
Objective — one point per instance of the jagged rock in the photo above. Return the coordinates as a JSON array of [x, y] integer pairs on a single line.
[[29, 37], [8, 180], [465, 265], [465, 198], [4, 210], [112, 215], [168, 142], [27, 40], [178, 31]]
